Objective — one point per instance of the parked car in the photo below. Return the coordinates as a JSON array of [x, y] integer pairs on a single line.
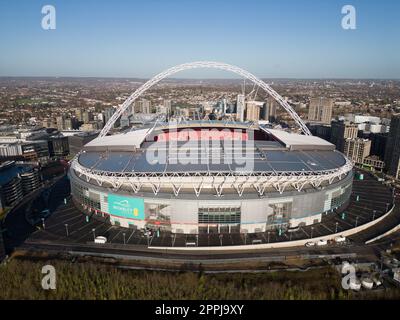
[[340, 239]]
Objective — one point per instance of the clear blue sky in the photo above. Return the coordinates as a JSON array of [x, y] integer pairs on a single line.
[[285, 38]]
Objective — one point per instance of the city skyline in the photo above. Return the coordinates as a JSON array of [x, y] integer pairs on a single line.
[[137, 40]]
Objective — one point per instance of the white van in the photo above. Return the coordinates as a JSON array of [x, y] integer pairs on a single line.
[[340, 239], [100, 239]]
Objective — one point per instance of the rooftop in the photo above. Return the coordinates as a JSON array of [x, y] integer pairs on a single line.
[[276, 151]]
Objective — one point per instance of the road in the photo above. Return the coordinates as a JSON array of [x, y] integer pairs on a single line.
[[67, 231]]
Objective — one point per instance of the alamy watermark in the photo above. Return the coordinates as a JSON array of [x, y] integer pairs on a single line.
[[349, 280], [49, 280], [49, 18], [349, 20], [234, 148]]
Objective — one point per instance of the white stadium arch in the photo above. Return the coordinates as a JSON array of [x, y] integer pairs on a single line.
[[204, 64]]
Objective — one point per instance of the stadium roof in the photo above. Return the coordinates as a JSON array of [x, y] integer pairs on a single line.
[[131, 152], [131, 138], [300, 142]]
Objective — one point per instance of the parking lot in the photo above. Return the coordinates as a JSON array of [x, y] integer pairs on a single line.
[[370, 200]]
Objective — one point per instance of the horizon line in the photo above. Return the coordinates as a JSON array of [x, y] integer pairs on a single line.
[[197, 79]]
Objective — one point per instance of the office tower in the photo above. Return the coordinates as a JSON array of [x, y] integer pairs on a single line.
[[79, 114], [268, 111], [167, 106], [392, 154], [320, 110], [357, 149], [224, 106], [58, 146], [100, 117], [64, 123], [68, 124], [60, 122], [87, 117], [378, 144], [108, 112], [75, 123], [341, 131], [240, 105], [77, 141], [145, 106], [322, 131]]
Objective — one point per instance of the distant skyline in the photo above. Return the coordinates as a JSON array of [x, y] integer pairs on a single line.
[[299, 39]]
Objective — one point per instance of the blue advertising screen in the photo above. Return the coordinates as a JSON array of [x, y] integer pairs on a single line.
[[125, 207]]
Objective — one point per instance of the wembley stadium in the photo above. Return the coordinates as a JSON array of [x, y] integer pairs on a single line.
[[198, 177]]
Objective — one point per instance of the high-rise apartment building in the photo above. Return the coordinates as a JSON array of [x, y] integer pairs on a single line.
[[167, 106], [63, 123], [320, 110], [340, 131], [253, 110], [268, 111], [145, 106], [392, 154], [79, 114], [357, 149], [240, 106], [87, 117], [60, 122]]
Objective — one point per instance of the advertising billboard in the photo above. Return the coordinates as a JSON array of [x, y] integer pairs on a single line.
[[126, 207]]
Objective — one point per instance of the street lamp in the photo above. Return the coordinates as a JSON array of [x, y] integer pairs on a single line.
[[66, 229], [337, 224], [268, 236], [43, 225], [123, 234], [312, 232], [94, 234]]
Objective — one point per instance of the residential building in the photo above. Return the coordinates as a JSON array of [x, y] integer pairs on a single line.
[[268, 111], [240, 106], [253, 110], [341, 131], [320, 110], [357, 149]]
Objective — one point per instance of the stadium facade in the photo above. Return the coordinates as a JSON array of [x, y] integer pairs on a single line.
[[210, 177]]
